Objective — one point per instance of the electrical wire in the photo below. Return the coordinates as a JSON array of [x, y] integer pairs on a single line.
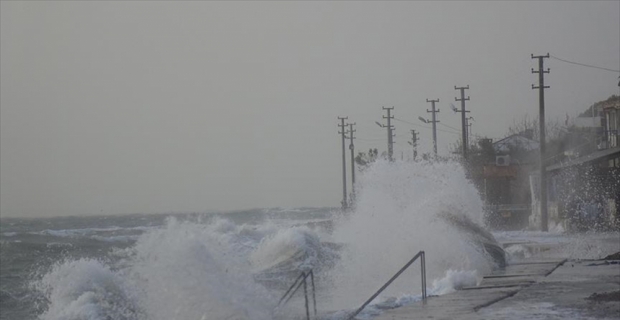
[[369, 139], [418, 125], [583, 64], [445, 125]]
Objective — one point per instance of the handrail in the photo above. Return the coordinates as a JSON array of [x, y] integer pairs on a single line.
[[299, 281], [423, 274], [301, 275]]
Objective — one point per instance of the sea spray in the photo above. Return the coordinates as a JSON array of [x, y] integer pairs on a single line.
[[185, 272], [85, 289], [181, 271], [216, 268], [280, 258], [290, 249], [394, 218], [161, 274], [455, 280], [480, 238]]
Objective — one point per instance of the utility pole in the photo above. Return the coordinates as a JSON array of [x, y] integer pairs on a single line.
[[463, 117], [344, 165], [390, 128], [414, 143], [434, 122], [543, 172], [352, 148], [468, 127]]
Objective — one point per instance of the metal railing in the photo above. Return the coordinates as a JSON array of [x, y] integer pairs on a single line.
[[423, 274], [301, 280], [508, 207]]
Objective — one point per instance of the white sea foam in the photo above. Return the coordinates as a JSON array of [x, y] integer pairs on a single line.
[[517, 252], [85, 289], [455, 280], [299, 246], [115, 238], [79, 232], [241, 239], [58, 245], [184, 272], [181, 271], [73, 232]]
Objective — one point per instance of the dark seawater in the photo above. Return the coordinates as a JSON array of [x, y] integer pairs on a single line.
[[31, 248]]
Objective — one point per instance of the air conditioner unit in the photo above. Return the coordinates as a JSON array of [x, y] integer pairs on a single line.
[[502, 161]]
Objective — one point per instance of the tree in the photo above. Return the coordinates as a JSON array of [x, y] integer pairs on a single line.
[[363, 159], [529, 128]]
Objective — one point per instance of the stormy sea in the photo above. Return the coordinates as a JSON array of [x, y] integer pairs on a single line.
[[238, 265]]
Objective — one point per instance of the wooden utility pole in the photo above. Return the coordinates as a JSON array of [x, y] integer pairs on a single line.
[[463, 117], [414, 143], [468, 127], [541, 108], [352, 148], [390, 134], [344, 164], [434, 122]]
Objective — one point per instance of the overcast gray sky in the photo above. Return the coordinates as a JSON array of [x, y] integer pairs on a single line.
[[140, 107]]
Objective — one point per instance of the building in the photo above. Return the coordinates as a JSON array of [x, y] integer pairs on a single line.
[[611, 125], [584, 184], [506, 183]]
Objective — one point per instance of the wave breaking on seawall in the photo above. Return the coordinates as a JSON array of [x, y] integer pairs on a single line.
[[218, 269]]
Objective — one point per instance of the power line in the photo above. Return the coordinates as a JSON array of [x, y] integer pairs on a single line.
[[369, 139], [583, 64], [421, 126], [445, 125], [411, 123]]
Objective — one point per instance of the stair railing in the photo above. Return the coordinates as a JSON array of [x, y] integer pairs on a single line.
[[301, 280], [423, 275]]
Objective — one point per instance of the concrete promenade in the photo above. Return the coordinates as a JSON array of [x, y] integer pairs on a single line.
[[529, 289]]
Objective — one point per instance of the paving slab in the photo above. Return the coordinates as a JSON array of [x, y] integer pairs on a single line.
[[460, 303], [504, 293], [564, 295]]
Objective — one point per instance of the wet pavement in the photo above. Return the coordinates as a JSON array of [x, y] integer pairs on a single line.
[[532, 288]]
